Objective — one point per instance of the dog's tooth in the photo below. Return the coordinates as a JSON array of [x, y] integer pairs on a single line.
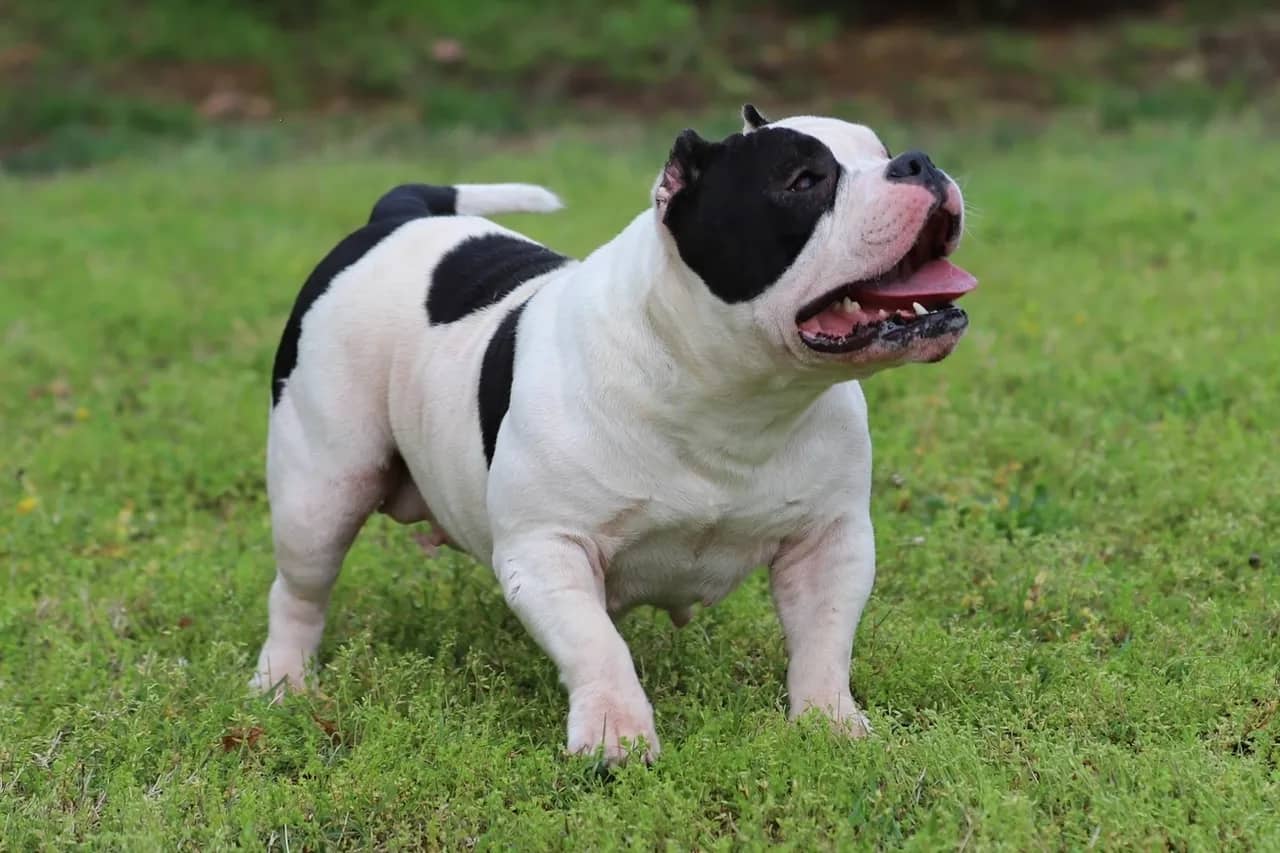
[[881, 314], [856, 306], [919, 309], [848, 305]]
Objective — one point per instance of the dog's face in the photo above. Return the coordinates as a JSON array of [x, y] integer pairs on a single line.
[[806, 231]]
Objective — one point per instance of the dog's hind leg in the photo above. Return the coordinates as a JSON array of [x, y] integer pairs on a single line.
[[321, 493]]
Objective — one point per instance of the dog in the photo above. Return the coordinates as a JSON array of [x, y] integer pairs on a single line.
[[645, 426]]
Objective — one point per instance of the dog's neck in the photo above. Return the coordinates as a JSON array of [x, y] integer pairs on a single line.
[[694, 369]]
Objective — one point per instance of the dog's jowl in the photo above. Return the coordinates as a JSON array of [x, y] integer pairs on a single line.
[[644, 426]]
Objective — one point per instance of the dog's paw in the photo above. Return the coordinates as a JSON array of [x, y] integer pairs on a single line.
[[275, 679], [261, 684], [613, 723], [853, 724], [842, 713]]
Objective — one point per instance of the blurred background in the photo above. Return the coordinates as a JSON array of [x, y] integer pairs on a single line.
[[83, 81]]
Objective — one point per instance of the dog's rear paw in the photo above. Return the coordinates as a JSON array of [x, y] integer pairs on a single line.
[[855, 724], [274, 680], [843, 714], [261, 684], [602, 721]]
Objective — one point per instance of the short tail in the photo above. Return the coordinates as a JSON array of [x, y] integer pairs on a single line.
[[409, 201]]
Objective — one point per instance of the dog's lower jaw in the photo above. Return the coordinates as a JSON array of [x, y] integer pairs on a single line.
[[612, 722]]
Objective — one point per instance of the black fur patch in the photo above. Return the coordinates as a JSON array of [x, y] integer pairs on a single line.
[[480, 271], [409, 201], [397, 206], [752, 117], [752, 207], [497, 371], [354, 247]]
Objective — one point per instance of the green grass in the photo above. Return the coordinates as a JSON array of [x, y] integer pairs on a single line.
[[1074, 639]]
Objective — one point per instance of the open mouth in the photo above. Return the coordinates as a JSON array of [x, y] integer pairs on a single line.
[[910, 301]]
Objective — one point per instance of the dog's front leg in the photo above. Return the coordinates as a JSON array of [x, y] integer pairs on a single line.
[[820, 583], [558, 593]]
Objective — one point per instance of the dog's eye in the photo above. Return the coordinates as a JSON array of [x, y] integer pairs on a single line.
[[806, 180]]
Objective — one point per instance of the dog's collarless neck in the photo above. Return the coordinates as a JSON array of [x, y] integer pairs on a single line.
[[658, 346]]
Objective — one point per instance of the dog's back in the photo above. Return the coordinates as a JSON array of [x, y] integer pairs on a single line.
[[472, 280]]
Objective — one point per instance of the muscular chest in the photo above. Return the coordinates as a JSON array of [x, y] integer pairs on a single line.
[[675, 556]]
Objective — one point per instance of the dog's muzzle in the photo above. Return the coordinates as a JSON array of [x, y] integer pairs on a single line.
[[910, 301]]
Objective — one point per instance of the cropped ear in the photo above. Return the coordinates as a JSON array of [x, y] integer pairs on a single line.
[[689, 158], [752, 120]]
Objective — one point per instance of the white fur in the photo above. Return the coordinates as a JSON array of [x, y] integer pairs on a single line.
[[659, 445], [491, 199]]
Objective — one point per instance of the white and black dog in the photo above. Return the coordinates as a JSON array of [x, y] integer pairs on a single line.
[[645, 426]]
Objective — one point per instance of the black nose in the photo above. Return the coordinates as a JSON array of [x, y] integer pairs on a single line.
[[914, 167]]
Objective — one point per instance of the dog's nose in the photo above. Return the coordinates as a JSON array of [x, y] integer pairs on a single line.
[[913, 167]]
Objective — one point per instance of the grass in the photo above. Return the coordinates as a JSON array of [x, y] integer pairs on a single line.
[[1073, 640]]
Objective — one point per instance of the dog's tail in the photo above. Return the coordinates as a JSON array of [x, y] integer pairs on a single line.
[[409, 201]]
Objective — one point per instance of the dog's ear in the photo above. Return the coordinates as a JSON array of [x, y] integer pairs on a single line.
[[751, 118], [689, 158]]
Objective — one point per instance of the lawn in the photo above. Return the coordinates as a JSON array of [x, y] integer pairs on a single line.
[[1074, 639]]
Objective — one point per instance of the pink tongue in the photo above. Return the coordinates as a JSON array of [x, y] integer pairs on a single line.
[[936, 281]]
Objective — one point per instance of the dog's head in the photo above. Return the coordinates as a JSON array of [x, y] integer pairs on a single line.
[[811, 233]]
